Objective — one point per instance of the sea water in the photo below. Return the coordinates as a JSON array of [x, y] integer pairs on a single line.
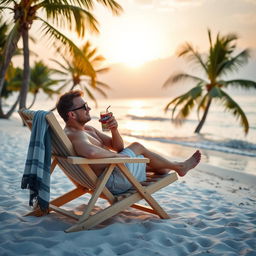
[[221, 140]]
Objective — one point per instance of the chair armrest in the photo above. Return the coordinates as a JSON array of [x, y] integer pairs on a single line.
[[82, 160]]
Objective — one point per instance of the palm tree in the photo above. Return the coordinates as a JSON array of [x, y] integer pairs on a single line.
[[76, 74], [10, 72], [3, 32], [74, 14], [40, 80], [220, 60]]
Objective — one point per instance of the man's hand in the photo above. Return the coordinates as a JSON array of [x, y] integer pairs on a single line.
[[112, 123], [115, 142]]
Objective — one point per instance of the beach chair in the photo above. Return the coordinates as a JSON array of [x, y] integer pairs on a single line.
[[81, 174]]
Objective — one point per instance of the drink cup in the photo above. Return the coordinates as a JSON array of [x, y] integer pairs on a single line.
[[104, 116]]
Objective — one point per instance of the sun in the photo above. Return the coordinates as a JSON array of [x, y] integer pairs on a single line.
[[133, 45]]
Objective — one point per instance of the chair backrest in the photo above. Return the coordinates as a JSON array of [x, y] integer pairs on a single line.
[[61, 148]]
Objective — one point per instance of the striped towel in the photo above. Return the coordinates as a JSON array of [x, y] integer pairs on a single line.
[[36, 175]]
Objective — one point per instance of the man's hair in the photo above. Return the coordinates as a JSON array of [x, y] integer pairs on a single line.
[[65, 103]]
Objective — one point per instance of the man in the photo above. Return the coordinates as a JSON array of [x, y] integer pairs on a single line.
[[91, 143]]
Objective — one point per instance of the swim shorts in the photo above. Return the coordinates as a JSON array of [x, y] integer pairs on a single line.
[[117, 182]]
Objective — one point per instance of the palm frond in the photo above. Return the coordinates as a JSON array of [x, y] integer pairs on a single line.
[[240, 83], [192, 94], [91, 53], [64, 15], [181, 76], [57, 71], [209, 37], [67, 59], [220, 55], [188, 50], [65, 85], [215, 92], [184, 112], [234, 63], [236, 110], [101, 92], [102, 70], [229, 38], [3, 8], [5, 3], [55, 34], [90, 94], [112, 5], [87, 4], [98, 83], [102, 84], [66, 68]]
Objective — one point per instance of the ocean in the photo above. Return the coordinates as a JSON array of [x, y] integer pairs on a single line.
[[221, 141], [144, 119]]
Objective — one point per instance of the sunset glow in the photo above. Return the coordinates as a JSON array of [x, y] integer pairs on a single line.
[[137, 108], [133, 47], [133, 42]]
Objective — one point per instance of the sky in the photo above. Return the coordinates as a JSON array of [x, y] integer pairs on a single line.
[[152, 30]]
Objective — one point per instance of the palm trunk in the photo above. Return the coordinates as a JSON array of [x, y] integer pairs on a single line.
[[11, 110], [73, 86], [7, 56], [33, 101], [202, 121], [26, 70]]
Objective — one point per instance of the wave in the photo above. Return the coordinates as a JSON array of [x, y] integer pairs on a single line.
[[156, 118], [192, 121], [148, 118], [228, 146]]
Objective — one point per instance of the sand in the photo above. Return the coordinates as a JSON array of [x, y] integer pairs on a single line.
[[212, 213]]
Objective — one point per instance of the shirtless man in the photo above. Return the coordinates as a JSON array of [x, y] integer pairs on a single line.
[[91, 143]]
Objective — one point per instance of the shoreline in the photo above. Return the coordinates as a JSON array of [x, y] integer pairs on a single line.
[[211, 159]]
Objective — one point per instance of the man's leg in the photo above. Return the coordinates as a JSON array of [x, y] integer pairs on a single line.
[[162, 165]]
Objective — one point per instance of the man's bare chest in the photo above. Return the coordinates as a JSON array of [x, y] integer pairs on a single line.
[[93, 138]]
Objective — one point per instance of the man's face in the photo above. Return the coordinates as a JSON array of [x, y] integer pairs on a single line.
[[81, 110]]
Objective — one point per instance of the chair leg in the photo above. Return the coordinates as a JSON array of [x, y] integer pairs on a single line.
[[61, 200], [151, 201], [121, 205], [98, 190]]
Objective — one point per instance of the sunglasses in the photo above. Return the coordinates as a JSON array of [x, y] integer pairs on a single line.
[[85, 107]]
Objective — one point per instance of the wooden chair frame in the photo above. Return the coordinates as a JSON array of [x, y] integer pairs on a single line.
[[86, 181]]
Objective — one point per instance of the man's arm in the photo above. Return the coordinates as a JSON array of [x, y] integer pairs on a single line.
[[83, 147], [115, 142]]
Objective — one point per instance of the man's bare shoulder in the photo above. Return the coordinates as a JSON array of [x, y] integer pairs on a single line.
[[76, 135]]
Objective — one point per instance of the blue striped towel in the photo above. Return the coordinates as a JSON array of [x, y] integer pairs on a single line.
[[36, 175]]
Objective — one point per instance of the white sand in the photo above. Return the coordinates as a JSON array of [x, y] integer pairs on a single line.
[[212, 213]]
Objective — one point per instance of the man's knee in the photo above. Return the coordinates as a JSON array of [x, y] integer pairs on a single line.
[[137, 148], [137, 145]]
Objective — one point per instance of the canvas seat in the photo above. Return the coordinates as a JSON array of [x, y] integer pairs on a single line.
[[81, 174]]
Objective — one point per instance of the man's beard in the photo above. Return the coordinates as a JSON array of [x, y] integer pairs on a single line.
[[83, 120]]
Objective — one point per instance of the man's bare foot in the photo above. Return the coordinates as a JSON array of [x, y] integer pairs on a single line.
[[192, 162]]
